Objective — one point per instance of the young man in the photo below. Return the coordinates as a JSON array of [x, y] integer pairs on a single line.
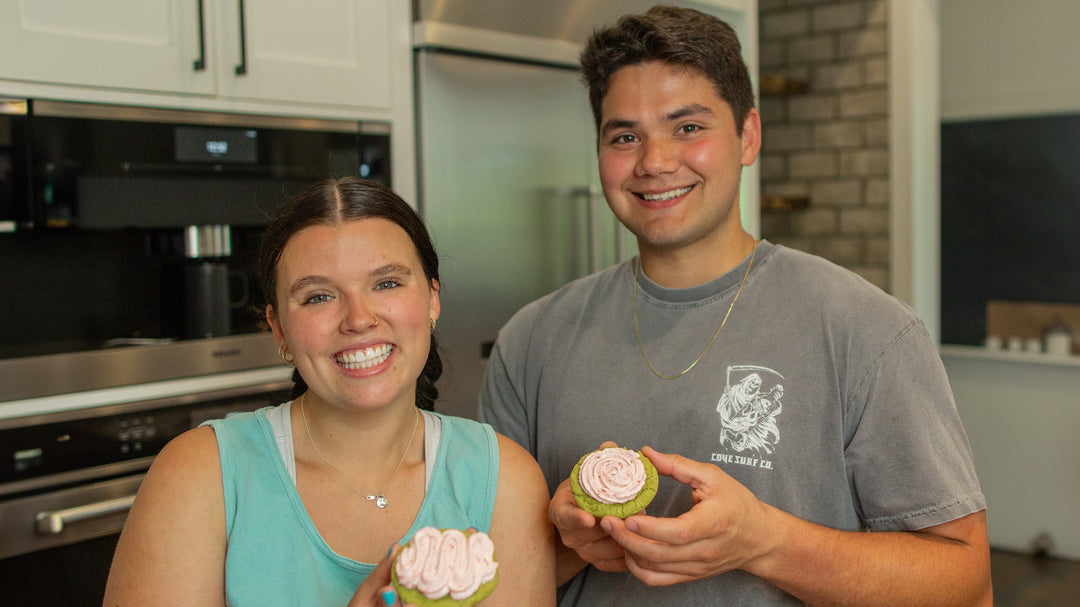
[[805, 406]]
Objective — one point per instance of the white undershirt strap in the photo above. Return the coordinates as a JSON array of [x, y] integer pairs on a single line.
[[280, 422]]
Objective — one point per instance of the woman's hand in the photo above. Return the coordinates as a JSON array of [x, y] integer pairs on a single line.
[[376, 590]]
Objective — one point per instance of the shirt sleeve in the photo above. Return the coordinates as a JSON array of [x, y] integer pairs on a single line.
[[909, 461], [507, 396], [502, 402]]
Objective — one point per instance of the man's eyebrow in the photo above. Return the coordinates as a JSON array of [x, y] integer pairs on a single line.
[[690, 110], [617, 123], [693, 109]]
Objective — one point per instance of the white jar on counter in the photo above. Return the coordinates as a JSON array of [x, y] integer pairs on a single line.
[[1015, 344], [1059, 340]]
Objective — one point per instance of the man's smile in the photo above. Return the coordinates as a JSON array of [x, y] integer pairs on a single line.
[[666, 195]]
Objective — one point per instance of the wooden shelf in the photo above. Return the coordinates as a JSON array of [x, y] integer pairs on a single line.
[[777, 84], [783, 204], [1029, 318]]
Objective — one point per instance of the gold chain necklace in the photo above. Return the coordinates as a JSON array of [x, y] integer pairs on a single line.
[[380, 497], [637, 331]]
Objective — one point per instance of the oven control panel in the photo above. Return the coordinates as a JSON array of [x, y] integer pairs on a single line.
[[137, 432], [52, 448]]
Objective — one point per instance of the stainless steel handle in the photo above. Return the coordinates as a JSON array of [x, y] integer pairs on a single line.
[[241, 69], [620, 242], [590, 193], [52, 523], [594, 235], [200, 63]]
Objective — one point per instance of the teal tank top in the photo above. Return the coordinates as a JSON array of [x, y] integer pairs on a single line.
[[275, 554]]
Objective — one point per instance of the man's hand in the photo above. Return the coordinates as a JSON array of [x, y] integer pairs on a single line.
[[725, 529], [581, 532]]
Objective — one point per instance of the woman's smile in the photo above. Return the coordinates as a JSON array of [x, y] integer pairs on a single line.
[[364, 358]]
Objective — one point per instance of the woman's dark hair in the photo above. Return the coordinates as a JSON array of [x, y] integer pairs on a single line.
[[335, 201], [681, 37]]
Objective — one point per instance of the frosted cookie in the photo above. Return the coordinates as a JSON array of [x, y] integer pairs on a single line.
[[614, 482], [443, 568]]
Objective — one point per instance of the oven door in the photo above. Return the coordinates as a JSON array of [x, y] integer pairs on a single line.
[[56, 547], [69, 477]]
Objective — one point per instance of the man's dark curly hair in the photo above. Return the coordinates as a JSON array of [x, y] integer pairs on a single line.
[[680, 37]]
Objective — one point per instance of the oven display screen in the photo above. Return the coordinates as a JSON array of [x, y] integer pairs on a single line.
[[216, 144], [27, 459]]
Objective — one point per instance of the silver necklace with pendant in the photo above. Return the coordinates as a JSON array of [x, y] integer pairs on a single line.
[[380, 497]]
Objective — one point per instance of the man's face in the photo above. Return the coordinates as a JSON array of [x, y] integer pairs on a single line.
[[670, 159]]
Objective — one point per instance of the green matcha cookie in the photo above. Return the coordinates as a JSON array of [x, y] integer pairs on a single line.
[[417, 597], [614, 473]]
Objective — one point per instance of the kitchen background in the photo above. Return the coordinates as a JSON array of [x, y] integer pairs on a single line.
[[478, 117]]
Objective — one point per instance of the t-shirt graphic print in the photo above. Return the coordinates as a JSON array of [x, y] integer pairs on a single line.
[[748, 409]]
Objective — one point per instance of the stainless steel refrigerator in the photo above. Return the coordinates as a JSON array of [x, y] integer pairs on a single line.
[[508, 185], [508, 180]]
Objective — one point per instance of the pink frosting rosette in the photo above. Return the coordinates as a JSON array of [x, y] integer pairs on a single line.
[[612, 476], [613, 481], [446, 563]]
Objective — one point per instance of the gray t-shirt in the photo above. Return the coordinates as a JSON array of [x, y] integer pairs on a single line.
[[823, 395]]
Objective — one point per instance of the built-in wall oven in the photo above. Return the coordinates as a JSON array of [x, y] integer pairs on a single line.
[[134, 225], [130, 309], [70, 467]]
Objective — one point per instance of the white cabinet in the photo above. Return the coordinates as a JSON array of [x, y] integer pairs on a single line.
[[130, 44], [324, 52]]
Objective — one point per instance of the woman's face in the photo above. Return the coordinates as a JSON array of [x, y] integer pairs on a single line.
[[354, 307]]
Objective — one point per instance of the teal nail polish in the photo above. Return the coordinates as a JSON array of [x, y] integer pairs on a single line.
[[389, 597]]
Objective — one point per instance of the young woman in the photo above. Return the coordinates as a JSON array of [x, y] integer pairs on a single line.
[[303, 503]]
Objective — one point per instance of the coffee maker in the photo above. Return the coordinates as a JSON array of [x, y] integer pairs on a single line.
[[211, 289]]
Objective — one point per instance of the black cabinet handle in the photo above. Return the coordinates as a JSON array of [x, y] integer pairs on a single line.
[[242, 68], [200, 63]]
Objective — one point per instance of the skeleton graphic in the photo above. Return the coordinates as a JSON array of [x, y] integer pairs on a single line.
[[748, 409]]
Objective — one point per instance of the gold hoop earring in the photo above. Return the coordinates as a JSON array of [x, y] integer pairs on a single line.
[[283, 352], [431, 321]]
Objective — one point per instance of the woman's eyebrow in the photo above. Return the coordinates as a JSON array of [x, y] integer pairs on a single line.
[[391, 268], [316, 279], [306, 282]]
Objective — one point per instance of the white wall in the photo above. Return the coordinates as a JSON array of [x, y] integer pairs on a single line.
[[1022, 412], [997, 58], [1009, 58]]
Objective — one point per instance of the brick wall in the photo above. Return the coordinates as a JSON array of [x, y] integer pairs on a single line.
[[829, 144]]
